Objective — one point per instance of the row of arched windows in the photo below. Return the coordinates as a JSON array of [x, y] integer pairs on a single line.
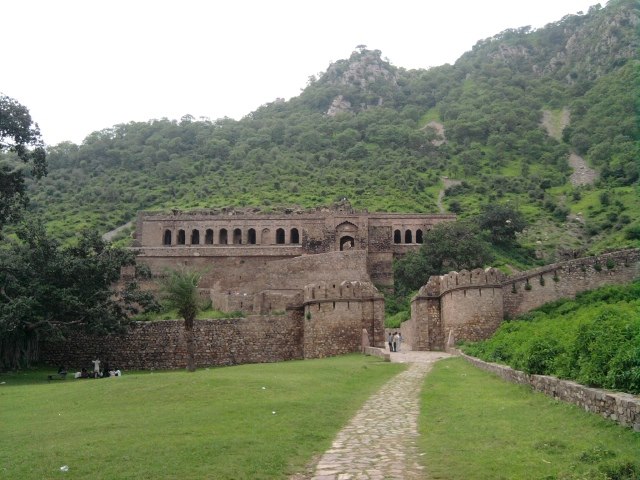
[[230, 237], [408, 236]]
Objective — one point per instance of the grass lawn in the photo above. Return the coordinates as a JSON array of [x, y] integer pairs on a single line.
[[244, 422], [477, 426]]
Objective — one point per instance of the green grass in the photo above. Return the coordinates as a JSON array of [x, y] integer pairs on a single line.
[[477, 426], [214, 423]]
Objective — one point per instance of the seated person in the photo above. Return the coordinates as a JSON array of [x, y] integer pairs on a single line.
[[62, 371]]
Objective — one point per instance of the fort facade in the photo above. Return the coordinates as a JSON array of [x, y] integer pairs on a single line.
[[246, 255]]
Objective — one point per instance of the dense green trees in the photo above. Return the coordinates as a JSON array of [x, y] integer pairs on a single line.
[[47, 290], [502, 223], [380, 153], [447, 246], [20, 136]]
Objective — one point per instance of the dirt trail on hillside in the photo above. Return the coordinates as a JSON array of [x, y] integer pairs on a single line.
[[554, 127], [582, 174], [439, 128], [107, 237]]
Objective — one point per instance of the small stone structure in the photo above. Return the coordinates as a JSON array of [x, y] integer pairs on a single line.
[[623, 408], [471, 305]]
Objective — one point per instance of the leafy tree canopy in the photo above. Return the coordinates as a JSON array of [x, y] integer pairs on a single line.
[[47, 290], [502, 223], [20, 136], [448, 246], [180, 291]]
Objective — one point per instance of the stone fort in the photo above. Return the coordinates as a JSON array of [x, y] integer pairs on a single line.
[[259, 263], [303, 284]]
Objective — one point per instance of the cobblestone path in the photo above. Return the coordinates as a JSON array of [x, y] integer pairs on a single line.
[[379, 443]]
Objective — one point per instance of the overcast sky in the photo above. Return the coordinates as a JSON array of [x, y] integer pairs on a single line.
[[85, 65]]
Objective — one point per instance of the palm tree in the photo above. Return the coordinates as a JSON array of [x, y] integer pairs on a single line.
[[180, 291]]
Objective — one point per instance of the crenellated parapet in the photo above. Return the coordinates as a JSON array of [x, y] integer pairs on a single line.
[[470, 305], [339, 290], [489, 277]]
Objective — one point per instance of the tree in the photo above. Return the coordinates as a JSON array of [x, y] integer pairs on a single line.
[[46, 291], [18, 135], [502, 222], [447, 246], [180, 291]]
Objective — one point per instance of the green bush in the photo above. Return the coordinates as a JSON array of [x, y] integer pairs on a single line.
[[593, 339], [394, 321]]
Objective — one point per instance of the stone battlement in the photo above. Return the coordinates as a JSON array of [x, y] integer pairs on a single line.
[[471, 305], [345, 290]]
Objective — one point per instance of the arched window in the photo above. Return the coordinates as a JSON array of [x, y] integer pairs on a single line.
[[223, 236], [166, 238], [195, 237], [397, 237], [280, 236], [208, 237], [419, 236], [408, 237], [252, 236], [295, 236], [181, 237], [237, 237]]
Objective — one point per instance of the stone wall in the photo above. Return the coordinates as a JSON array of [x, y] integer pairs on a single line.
[[566, 279], [321, 320], [623, 408], [161, 345], [336, 314], [471, 305]]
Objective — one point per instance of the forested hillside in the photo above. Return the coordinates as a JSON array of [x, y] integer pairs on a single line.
[[502, 121]]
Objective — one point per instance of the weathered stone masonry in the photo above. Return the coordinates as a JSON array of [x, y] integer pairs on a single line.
[[471, 305], [161, 345]]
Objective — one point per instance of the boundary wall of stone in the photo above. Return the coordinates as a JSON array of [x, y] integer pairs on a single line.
[[161, 345], [622, 408], [471, 305]]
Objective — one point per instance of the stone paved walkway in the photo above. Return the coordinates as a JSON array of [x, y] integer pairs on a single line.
[[379, 443]]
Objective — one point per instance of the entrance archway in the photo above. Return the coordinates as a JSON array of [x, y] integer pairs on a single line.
[[346, 234]]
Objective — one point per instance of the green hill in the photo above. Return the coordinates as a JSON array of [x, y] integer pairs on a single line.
[[512, 110]]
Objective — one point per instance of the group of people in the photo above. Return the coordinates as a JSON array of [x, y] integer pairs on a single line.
[[97, 373], [395, 339]]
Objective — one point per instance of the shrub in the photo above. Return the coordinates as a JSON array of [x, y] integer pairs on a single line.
[[593, 339], [394, 321]]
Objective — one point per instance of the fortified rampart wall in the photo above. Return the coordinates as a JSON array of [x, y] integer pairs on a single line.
[[566, 279], [323, 319], [161, 345], [471, 305], [336, 315]]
